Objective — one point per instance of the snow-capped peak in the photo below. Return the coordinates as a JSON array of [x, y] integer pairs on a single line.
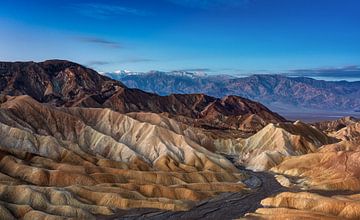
[[188, 74], [124, 72]]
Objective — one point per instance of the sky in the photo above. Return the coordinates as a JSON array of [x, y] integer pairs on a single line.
[[301, 37]]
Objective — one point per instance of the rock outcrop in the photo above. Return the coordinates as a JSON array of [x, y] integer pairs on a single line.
[[335, 125], [332, 167], [325, 170], [332, 171], [273, 143], [83, 162], [304, 205], [349, 133]]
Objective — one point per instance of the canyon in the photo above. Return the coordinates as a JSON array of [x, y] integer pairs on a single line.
[[77, 144]]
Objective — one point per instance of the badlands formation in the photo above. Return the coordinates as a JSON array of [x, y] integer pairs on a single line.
[[76, 144], [80, 163], [273, 143], [332, 167], [332, 171]]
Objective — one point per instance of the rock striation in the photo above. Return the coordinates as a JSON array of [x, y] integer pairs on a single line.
[[333, 171], [335, 125], [268, 147], [305, 205], [84, 162]]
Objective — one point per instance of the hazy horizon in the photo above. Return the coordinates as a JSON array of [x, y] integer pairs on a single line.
[[350, 76]]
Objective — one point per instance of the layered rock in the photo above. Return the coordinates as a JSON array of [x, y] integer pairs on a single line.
[[333, 170], [331, 167], [326, 170], [84, 162], [349, 133], [335, 125], [308, 206], [80, 145], [273, 143]]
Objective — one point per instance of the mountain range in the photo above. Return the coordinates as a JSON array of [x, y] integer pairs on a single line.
[[76, 144], [278, 92], [63, 83]]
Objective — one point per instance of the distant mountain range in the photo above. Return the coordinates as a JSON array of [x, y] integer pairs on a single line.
[[276, 91]]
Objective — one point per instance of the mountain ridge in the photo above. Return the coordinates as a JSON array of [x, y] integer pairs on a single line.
[[274, 90], [64, 83]]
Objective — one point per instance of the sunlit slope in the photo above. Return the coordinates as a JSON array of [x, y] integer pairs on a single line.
[[81, 163]]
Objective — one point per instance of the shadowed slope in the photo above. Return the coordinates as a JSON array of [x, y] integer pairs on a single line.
[[273, 143], [349, 133], [333, 168], [308, 206], [63, 83], [80, 163], [335, 125]]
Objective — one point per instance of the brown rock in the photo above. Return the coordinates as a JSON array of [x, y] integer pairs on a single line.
[[83, 162], [308, 206], [63, 83]]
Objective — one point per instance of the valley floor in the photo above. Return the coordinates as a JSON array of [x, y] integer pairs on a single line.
[[226, 205], [316, 116]]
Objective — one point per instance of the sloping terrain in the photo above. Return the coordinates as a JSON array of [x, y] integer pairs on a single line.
[[84, 162], [334, 169], [335, 125], [308, 206], [273, 143], [63, 83], [349, 133]]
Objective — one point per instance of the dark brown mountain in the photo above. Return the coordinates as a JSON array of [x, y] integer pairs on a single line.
[[63, 83]]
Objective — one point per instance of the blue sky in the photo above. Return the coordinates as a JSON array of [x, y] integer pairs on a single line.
[[219, 36]]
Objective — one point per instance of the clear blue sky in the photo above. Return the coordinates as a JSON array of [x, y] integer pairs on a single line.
[[222, 36]]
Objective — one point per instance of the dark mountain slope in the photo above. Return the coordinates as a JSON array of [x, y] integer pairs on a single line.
[[63, 83]]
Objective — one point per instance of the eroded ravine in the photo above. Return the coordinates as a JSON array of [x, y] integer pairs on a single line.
[[224, 206]]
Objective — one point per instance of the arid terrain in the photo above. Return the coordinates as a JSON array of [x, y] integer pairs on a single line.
[[77, 144]]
